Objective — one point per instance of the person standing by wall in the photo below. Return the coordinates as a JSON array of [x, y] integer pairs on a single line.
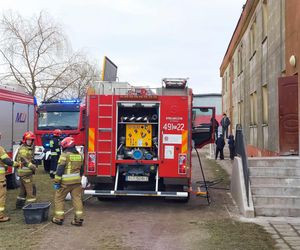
[[225, 122], [220, 146]]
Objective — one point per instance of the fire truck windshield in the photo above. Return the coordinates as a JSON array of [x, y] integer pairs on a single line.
[[62, 120]]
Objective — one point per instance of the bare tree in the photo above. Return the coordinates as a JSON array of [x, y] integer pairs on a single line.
[[38, 57]]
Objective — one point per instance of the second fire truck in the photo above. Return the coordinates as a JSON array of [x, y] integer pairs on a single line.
[[66, 115]]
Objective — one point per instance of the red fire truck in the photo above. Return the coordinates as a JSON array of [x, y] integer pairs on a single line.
[[66, 115], [17, 117], [139, 140]]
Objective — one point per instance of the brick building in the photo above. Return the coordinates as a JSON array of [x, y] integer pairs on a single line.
[[260, 76]]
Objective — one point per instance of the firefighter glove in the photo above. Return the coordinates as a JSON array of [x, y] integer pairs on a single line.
[[56, 186], [17, 165]]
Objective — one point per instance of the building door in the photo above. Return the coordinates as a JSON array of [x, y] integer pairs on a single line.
[[288, 115]]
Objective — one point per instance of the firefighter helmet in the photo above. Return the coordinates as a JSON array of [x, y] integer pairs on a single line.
[[57, 132], [28, 136], [68, 142]]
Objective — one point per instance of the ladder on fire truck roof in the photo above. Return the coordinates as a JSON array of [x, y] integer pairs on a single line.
[[105, 134]]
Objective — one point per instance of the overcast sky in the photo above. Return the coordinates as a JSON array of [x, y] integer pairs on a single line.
[[147, 39]]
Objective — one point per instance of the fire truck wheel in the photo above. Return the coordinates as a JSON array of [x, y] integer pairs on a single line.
[[13, 181], [46, 164]]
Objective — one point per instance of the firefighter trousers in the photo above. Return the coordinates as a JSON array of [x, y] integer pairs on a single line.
[[2, 197], [27, 190], [59, 201], [53, 163]]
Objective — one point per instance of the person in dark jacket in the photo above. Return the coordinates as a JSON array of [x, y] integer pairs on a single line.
[[55, 151], [220, 146], [215, 123], [225, 122], [231, 145]]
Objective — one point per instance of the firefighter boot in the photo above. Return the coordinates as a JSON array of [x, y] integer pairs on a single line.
[[77, 222], [4, 218], [57, 221], [20, 203]]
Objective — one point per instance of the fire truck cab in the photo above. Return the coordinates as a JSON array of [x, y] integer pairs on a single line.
[[66, 115], [140, 140]]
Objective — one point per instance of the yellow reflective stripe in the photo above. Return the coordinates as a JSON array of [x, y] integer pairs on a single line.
[[71, 175], [51, 143], [4, 156], [71, 178], [53, 153], [184, 146], [58, 178], [24, 171], [59, 212], [2, 209], [78, 212], [31, 200], [75, 158], [91, 144], [57, 150]]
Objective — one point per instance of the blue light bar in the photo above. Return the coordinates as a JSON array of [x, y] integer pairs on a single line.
[[72, 101]]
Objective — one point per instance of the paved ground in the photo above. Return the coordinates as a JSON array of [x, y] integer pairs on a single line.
[[285, 230]]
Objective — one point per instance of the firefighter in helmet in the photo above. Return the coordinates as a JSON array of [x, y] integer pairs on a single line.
[[25, 155], [55, 151], [4, 162], [68, 180]]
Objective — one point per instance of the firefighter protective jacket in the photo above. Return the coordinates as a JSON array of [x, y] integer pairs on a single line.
[[70, 168], [4, 162], [25, 155], [54, 144]]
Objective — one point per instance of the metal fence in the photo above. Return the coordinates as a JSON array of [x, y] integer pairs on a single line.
[[240, 148]]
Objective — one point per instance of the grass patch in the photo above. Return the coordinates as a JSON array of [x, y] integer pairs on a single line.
[[229, 234], [218, 171], [15, 234]]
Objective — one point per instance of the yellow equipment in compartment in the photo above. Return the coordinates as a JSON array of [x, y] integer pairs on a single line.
[[138, 135]]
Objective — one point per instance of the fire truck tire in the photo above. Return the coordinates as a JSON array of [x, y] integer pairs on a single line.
[[46, 164], [13, 181]]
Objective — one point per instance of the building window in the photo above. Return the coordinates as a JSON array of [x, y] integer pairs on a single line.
[[252, 39], [226, 81], [240, 60], [265, 101], [240, 112], [265, 15], [253, 108]]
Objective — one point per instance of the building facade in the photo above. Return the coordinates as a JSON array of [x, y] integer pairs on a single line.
[[260, 77]]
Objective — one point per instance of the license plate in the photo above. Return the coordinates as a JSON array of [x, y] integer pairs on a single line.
[[137, 178]]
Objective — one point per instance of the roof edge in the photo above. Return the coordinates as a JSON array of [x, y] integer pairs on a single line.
[[248, 10]]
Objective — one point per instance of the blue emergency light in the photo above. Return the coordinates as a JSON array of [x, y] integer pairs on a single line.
[[71, 101]]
